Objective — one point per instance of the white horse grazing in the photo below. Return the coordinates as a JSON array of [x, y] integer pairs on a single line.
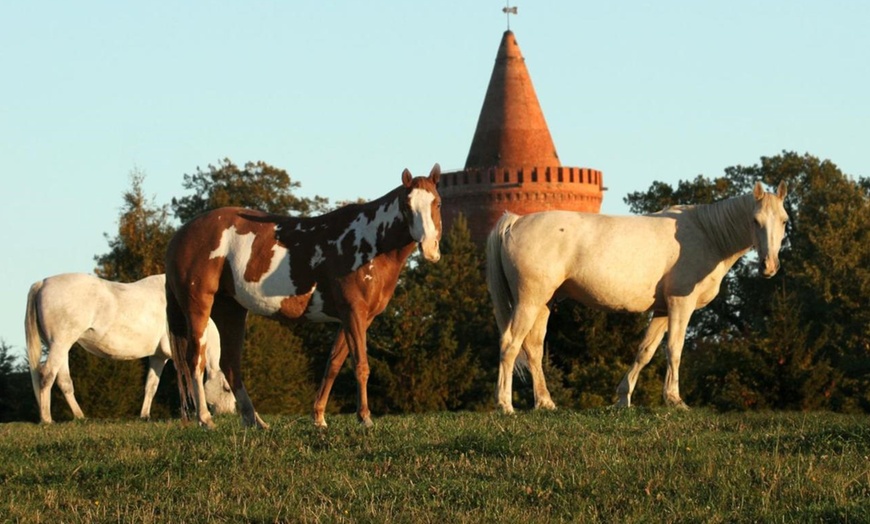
[[108, 319], [670, 263]]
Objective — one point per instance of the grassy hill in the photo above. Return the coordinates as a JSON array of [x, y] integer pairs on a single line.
[[634, 465]]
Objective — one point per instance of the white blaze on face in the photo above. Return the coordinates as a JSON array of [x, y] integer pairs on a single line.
[[423, 228], [264, 296]]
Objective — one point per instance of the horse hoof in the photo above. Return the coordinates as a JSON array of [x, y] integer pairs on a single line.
[[547, 405], [366, 422], [678, 404], [260, 423]]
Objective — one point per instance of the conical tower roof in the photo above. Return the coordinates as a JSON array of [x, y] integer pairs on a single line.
[[511, 130]]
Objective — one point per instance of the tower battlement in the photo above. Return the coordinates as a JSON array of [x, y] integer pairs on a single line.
[[496, 177], [483, 195]]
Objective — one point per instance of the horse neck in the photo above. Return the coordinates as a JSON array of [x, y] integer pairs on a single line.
[[392, 237], [728, 225]]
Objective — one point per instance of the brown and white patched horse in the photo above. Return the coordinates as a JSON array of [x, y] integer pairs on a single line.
[[339, 267]]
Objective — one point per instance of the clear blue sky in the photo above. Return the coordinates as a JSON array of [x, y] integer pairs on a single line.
[[344, 95]]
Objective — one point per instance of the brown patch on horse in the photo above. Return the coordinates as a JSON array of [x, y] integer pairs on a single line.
[[295, 307]]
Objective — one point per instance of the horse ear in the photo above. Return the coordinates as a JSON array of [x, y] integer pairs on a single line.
[[782, 190], [435, 174], [406, 178], [758, 191]]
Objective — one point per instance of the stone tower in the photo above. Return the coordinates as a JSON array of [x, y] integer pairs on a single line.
[[512, 164]]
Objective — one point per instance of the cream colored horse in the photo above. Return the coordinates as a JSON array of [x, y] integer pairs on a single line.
[[108, 319], [670, 263]]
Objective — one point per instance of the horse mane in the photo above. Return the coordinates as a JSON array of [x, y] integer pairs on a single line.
[[727, 223], [350, 209]]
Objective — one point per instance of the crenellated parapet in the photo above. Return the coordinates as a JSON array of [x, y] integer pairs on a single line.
[[501, 176], [484, 194]]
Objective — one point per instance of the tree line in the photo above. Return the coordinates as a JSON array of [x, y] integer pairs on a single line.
[[797, 341]]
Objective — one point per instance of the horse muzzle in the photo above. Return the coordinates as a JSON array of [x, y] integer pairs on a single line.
[[431, 250], [768, 267]]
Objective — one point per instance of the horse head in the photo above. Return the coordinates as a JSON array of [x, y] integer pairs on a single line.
[[422, 211], [770, 218]]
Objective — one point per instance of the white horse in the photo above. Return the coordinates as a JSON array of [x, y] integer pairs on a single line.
[[108, 319], [670, 263]]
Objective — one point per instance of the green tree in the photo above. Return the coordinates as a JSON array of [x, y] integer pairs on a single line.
[[427, 348], [828, 269], [143, 234], [257, 185], [17, 401], [279, 368], [104, 388], [800, 340], [590, 350]]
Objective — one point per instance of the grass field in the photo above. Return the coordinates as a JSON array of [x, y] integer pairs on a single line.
[[635, 465]]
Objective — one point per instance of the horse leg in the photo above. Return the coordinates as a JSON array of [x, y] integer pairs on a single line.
[[58, 353], [534, 350], [230, 318], [152, 380], [64, 382], [512, 340], [217, 390], [678, 321], [356, 341], [336, 359], [195, 362], [648, 346]]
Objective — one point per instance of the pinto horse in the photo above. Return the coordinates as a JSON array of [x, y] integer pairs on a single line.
[[108, 319], [670, 263], [339, 267]]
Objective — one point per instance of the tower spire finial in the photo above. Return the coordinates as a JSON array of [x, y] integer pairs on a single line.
[[508, 11]]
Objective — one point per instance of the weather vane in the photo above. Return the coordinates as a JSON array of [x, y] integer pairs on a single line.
[[508, 11]]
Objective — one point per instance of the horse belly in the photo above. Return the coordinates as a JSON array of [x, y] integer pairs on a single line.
[[121, 342], [609, 295], [278, 303], [259, 302], [267, 290]]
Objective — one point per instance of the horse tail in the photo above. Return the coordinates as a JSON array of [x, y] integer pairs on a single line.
[[33, 336], [496, 281], [176, 329]]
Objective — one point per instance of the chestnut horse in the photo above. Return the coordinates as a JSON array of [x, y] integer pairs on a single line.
[[342, 266], [669, 263]]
